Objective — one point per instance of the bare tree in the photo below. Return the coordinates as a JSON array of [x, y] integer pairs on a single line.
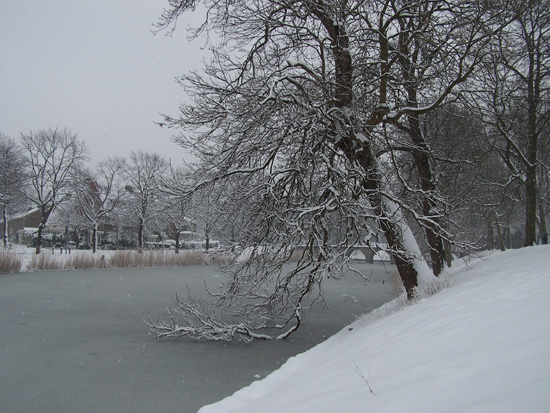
[[52, 156], [426, 56], [515, 99], [143, 176], [296, 106], [69, 215], [206, 209], [543, 181], [13, 178], [176, 213], [99, 193]]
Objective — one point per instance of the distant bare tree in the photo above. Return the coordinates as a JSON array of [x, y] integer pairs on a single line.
[[543, 181], [206, 209], [143, 177], [514, 99], [52, 155], [99, 192], [176, 212], [13, 178], [69, 215]]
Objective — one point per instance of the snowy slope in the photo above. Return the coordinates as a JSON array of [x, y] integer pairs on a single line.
[[482, 345]]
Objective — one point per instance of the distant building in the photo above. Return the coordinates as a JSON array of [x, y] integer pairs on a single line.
[[19, 222]]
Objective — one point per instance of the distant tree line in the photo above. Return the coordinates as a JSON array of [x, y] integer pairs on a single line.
[[48, 170]]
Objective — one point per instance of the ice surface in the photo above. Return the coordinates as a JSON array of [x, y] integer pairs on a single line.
[[74, 341]]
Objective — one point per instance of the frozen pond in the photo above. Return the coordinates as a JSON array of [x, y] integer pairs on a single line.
[[74, 341]]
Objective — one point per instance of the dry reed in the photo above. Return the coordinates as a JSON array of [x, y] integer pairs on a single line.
[[45, 262], [9, 263], [123, 259]]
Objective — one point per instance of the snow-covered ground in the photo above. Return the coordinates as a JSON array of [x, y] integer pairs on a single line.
[[480, 345]]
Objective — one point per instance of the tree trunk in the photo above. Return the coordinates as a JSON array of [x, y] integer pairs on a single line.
[[506, 236], [389, 219], [533, 95], [490, 233], [177, 241], [448, 253], [499, 234], [543, 232], [94, 238], [421, 155], [39, 239], [405, 267], [5, 217], [141, 228], [43, 221], [360, 151], [530, 207], [432, 226]]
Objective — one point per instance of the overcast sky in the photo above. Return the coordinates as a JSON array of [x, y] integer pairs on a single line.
[[95, 68]]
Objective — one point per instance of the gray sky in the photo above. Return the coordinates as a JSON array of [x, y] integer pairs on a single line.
[[95, 68]]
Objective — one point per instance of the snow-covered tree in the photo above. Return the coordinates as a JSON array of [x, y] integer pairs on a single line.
[[13, 179], [427, 54], [143, 176], [514, 96], [176, 212], [52, 155], [298, 105], [98, 193]]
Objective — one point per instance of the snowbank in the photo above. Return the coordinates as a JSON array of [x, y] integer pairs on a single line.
[[481, 345]]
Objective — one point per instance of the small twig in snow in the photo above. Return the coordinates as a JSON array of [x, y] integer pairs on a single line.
[[366, 380]]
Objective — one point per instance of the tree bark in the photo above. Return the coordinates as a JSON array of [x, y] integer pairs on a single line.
[[5, 217], [490, 233], [141, 228], [421, 151], [94, 238], [533, 98], [405, 267], [499, 234], [432, 225], [543, 232], [360, 151], [46, 212], [531, 194], [531, 174], [448, 253]]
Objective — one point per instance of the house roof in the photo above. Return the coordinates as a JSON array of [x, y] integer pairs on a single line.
[[21, 214]]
